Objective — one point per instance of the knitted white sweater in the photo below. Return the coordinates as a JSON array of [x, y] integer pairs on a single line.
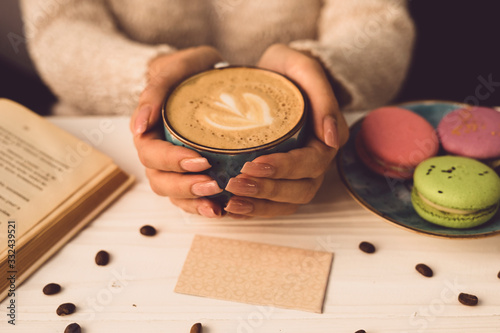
[[93, 54]]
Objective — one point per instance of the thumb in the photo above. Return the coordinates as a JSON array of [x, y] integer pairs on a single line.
[[163, 73], [328, 122]]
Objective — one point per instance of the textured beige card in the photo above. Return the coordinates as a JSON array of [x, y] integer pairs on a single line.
[[256, 273]]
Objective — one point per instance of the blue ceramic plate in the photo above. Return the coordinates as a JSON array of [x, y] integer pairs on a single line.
[[391, 198]]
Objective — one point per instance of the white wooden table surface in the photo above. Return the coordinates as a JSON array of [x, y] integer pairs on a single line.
[[378, 292]]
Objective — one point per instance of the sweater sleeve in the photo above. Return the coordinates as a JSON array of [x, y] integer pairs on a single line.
[[83, 57], [366, 47]]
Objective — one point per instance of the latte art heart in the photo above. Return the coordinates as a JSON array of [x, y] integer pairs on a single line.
[[250, 111]]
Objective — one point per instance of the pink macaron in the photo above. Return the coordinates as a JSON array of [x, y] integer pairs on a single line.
[[472, 132], [392, 141]]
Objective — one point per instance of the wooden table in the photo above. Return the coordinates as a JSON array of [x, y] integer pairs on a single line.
[[380, 292]]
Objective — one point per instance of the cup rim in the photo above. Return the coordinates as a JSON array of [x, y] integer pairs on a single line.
[[300, 124]]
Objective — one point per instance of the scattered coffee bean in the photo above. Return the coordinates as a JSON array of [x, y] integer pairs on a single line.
[[498, 275], [51, 289], [65, 309], [367, 247], [196, 328], [360, 331], [467, 299], [73, 328], [148, 230], [424, 270], [102, 258]]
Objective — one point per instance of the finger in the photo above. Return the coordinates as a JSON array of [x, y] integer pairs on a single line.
[[179, 185], [242, 207], [300, 191], [162, 155], [310, 161], [328, 122], [202, 206], [163, 74]]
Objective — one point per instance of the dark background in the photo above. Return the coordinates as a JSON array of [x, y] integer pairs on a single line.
[[457, 42], [457, 45]]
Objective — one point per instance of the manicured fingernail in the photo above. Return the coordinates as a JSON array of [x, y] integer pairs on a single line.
[[141, 122], [331, 135], [205, 188], [195, 164], [258, 169], [239, 206], [242, 186], [208, 211]]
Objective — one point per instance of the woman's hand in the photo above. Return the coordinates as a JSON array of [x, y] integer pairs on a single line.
[[169, 167], [277, 184]]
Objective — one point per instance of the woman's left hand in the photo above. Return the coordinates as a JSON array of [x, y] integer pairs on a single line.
[[278, 184]]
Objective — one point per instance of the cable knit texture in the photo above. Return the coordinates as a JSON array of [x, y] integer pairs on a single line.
[[94, 54]]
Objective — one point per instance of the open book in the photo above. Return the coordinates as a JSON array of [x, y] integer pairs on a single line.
[[51, 185]]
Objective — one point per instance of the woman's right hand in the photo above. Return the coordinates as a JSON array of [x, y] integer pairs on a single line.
[[168, 167]]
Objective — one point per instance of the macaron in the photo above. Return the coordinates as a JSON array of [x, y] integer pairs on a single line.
[[392, 141], [472, 132], [456, 192]]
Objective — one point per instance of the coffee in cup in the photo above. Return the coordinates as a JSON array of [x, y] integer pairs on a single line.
[[232, 115], [234, 108]]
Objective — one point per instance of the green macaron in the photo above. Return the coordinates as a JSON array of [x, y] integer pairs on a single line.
[[455, 192]]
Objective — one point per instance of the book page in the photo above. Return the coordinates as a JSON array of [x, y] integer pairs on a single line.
[[40, 167]]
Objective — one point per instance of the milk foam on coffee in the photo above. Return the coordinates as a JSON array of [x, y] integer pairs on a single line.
[[234, 108]]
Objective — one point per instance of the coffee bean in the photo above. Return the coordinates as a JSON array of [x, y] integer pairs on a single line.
[[196, 328], [51, 289], [424, 270], [148, 230], [367, 247], [102, 258], [65, 309], [498, 275], [467, 299], [73, 328], [360, 331]]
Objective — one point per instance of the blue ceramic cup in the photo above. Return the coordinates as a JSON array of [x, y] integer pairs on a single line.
[[226, 162]]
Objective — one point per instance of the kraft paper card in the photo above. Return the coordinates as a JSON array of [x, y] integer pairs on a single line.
[[256, 273]]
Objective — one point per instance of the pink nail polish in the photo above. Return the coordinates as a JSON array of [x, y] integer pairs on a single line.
[[195, 164], [239, 206], [258, 169], [142, 120], [331, 135], [208, 211], [242, 186], [205, 188]]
